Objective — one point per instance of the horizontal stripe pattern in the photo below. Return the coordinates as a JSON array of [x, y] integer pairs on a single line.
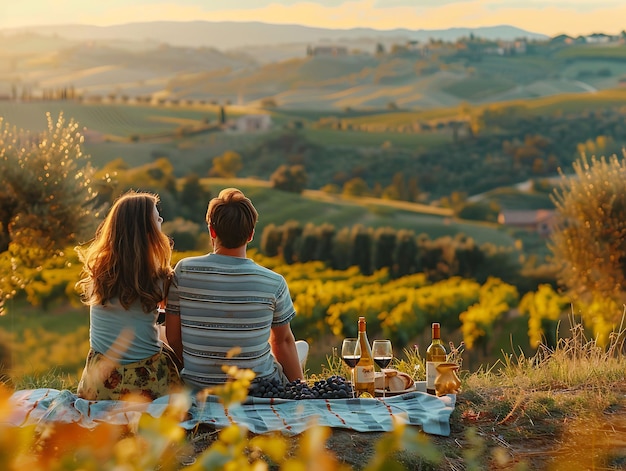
[[225, 303], [36, 407]]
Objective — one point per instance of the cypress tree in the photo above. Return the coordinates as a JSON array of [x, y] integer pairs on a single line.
[[361, 254], [405, 253], [384, 246], [291, 235], [271, 240]]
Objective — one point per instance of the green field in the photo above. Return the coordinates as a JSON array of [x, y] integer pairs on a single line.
[[330, 137], [112, 120], [572, 102], [511, 198], [310, 208], [569, 103], [595, 51], [476, 88], [187, 154], [61, 319]]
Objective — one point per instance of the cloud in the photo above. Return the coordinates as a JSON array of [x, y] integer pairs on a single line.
[[254, 4], [413, 3], [504, 5]]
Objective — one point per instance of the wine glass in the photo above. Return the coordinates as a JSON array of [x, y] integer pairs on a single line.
[[351, 354], [383, 354]]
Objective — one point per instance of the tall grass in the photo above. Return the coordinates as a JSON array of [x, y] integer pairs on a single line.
[[576, 362]]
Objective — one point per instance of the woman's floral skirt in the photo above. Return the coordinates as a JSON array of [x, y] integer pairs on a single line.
[[147, 379]]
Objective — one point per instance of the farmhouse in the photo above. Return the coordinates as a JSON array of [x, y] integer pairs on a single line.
[[253, 122], [508, 48], [596, 38], [540, 221], [329, 51]]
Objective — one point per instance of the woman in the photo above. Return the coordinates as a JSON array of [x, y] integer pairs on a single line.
[[125, 272]]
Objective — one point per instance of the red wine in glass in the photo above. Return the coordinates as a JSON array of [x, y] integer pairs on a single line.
[[351, 354], [352, 360], [383, 354]]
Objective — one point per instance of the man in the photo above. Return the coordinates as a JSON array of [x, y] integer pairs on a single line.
[[225, 309]]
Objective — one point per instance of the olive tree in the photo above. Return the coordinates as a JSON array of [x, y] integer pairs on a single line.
[[46, 198], [589, 239], [292, 178], [226, 165]]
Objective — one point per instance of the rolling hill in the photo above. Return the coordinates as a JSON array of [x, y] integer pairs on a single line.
[[101, 62], [242, 35]]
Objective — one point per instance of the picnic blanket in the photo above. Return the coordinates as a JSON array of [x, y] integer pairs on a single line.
[[258, 415]]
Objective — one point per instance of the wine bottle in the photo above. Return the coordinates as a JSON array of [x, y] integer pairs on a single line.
[[365, 367], [435, 355]]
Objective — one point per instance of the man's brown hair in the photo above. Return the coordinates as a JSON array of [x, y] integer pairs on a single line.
[[233, 217]]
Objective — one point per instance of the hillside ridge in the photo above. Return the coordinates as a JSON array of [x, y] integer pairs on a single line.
[[232, 35]]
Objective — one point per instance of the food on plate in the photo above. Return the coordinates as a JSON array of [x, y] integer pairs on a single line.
[[393, 380]]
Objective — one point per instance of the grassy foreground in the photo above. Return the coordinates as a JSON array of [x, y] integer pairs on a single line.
[[562, 408]]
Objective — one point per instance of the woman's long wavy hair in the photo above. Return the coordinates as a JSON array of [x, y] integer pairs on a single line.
[[129, 258]]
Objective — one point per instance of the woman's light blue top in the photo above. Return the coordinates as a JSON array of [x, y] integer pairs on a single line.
[[123, 335]]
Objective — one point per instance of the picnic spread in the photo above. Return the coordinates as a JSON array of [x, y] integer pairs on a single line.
[[258, 415]]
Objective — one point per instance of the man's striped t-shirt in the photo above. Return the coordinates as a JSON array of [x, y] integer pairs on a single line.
[[226, 302]]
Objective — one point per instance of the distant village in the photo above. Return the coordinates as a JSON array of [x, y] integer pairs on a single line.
[[487, 47], [471, 46]]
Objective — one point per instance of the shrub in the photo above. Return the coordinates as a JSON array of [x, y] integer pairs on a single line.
[[290, 178], [589, 238], [46, 198]]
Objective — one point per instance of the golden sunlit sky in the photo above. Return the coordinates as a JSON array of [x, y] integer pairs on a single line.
[[550, 17]]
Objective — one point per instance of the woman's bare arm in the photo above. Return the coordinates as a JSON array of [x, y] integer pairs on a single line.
[[173, 334]]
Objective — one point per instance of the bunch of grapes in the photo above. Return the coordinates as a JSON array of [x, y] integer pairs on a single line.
[[334, 387]]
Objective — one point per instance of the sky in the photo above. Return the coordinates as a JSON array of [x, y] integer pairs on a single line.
[[550, 17]]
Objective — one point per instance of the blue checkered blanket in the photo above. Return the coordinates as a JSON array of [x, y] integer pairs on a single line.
[[258, 415]]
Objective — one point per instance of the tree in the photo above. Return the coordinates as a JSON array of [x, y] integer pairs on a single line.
[[226, 165], [384, 247], [292, 231], [361, 250], [413, 191], [308, 244], [46, 198], [292, 178], [355, 187], [184, 232], [436, 258], [405, 252], [589, 238], [480, 211], [194, 198], [271, 240], [159, 175], [342, 249], [324, 248]]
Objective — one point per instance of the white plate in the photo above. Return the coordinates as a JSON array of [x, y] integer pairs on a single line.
[[379, 392], [417, 386]]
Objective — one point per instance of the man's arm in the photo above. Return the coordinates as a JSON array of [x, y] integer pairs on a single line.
[[173, 334], [283, 346]]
